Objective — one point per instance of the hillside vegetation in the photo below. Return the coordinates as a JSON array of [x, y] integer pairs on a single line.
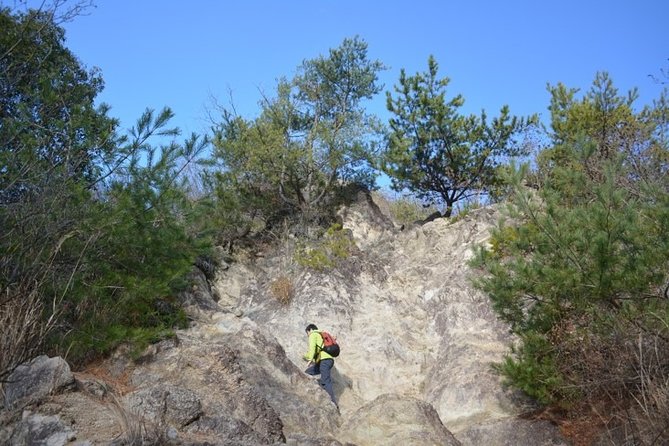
[[100, 228]]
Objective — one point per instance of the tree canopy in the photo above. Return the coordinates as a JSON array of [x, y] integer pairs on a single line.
[[49, 125], [438, 154], [312, 135], [96, 236], [580, 270]]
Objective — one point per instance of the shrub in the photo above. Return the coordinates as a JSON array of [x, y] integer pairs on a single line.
[[407, 210], [464, 210], [282, 289], [580, 278], [328, 252]]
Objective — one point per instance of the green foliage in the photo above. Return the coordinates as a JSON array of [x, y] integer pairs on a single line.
[[135, 247], [408, 210], [53, 139], [534, 372], [244, 193], [48, 122], [580, 270], [578, 265], [605, 122], [310, 137], [327, 252], [440, 155], [98, 229]]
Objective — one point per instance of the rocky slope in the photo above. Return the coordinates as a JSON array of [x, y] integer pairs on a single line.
[[417, 343]]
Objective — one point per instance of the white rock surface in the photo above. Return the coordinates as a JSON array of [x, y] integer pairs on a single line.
[[417, 344]]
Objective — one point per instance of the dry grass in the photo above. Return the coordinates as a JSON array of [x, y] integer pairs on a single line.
[[582, 432], [135, 429], [132, 424], [650, 414], [282, 289], [624, 384], [22, 326]]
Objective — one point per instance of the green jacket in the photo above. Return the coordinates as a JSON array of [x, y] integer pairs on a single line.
[[315, 352]]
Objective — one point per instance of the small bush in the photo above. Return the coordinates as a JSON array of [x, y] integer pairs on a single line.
[[282, 289], [327, 252], [408, 210], [464, 210]]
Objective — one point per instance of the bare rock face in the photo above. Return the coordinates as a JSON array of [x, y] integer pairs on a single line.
[[365, 219], [166, 403], [408, 321], [393, 419], [198, 299], [513, 432], [417, 343]]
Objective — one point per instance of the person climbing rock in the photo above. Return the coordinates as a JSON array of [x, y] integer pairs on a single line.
[[320, 362]]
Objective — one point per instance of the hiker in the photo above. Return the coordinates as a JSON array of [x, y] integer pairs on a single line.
[[320, 363]]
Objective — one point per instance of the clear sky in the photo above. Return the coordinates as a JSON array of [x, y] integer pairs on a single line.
[[154, 53]]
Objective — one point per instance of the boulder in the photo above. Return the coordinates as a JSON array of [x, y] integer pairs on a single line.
[[393, 419], [39, 430], [513, 432], [364, 218], [165, 404], [36, 379]]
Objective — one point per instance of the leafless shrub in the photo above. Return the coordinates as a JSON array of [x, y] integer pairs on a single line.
[[650, 415], [282, 289], [629, 380], [27, 312], [618, 375], [23, 326]]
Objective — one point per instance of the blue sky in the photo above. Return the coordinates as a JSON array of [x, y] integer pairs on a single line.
[[181, 54]]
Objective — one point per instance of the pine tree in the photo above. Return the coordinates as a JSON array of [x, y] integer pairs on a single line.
[[580, 270], [440, 155], [97, 235], [310, 137]]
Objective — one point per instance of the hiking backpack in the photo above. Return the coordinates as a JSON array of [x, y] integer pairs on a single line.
[[330, 345]]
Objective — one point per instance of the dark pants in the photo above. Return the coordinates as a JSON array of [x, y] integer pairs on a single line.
[[324, 369]]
